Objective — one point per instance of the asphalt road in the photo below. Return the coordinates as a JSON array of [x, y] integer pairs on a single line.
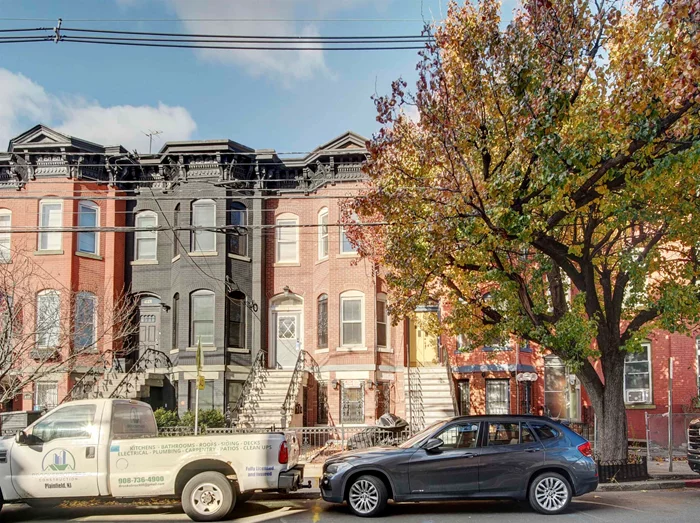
[[679, 506]]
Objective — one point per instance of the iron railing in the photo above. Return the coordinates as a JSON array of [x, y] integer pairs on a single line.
[[255, 370], [451, 381], [87, 384], [293, 390], [149, 360]]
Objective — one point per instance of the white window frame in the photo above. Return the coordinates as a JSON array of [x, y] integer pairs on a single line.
[[287, 222], [93, 207], [193, 339], [381, 297], [56, 329], [352, 251], [47, 235], [352, 296], [145, 235], [323, 238], [48, 386], [650, 398], [201, 206], [85, 295], [6, 238]]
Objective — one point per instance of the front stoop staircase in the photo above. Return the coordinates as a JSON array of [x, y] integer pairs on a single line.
[[430, 395], [264, 404]]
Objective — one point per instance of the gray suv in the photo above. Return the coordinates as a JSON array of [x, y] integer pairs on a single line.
[[473, 457]]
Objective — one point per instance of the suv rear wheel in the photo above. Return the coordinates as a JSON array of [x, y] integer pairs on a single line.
[[367, 496], [550, 493]]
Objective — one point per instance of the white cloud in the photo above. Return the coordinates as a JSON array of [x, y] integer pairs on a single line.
[[24, 103], [281, 65]]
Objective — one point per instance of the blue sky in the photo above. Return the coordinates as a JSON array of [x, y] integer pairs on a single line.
[[289, 101]]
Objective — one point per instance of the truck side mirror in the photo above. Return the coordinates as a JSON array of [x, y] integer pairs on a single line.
[[21, 438]]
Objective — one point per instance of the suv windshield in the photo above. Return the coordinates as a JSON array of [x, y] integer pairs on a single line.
[[416, 440]]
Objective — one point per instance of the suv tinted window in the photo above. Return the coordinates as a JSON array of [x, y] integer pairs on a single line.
[[133, 421], [504, 434], [544, 431], [462, 436], [69, 422]]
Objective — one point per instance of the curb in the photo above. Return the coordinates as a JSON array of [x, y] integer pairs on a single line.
[[648, 485]]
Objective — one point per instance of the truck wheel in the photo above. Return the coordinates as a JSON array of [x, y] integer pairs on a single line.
[[44, 504], [550, 493], [367, 496], [208, 496]]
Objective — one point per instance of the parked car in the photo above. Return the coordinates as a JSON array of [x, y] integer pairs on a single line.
[[109, 448], [474, 457]]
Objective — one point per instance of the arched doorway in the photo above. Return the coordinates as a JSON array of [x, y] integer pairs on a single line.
[[286, 330]]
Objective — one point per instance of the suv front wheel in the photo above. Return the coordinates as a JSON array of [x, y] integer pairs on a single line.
[[550, 493], [367, 496]]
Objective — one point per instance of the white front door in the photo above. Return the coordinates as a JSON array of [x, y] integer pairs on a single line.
[[62, 461], [287, 338]]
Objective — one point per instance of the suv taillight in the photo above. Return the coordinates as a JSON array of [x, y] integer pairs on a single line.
[[283, 456], [585, 449]]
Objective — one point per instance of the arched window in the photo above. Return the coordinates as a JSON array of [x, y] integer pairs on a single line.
[[48, 318], [176, 232], [287, 238], [85, 321], [352, 315], [202, 318], [5, 235], [203, 215], [238, 238], [236, 320], [50, 217], [89, 218], [176, 322], [322, 320], [146, 241], [323, 233]]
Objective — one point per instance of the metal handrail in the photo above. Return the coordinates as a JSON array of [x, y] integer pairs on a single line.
[[453, 392], [258, 364], [293, 389], [139, 367], [94, 374]]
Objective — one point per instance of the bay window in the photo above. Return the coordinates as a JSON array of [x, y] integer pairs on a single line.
[[88, 217], [50, 217], [203, 215], [202, 318]]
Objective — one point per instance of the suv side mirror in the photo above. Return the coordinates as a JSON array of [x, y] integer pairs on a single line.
[[21, 438], [434, 444]]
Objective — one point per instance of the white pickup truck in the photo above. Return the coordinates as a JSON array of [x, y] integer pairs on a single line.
[[110, 448]]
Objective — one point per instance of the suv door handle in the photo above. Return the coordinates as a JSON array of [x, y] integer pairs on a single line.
[[533, 449], [470, 455]]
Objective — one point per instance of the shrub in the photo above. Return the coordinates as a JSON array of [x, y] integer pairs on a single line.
[[166, 418], [207, 418]]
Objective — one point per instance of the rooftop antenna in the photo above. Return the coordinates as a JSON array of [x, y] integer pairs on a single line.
[[151, 133]]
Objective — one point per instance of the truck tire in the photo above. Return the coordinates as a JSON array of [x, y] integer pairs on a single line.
[[208, 496], [43, 504], [367, 496], [550, 493]]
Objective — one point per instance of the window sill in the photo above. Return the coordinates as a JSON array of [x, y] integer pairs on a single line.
[[48, 253], [90, 255], [351, 349], [174, 351], [322, 260], [238, 350], [639, 406], [175, 259], [286, 264], [348, 255], [205, 348], [144, 262], [239, 257], [322, 351], [202, 254], [5, 262], [388, 350]]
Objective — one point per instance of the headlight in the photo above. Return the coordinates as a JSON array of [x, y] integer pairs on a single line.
[[335, 468]]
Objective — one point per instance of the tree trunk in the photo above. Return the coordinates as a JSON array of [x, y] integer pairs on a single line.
[[609, 405]]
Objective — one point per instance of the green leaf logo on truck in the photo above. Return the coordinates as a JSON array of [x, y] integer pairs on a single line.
[[58, 460]]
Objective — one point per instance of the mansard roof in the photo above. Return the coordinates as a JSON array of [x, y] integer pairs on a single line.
[[42, 137]]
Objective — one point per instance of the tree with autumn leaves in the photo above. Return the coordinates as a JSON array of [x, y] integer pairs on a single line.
[[542, 180]]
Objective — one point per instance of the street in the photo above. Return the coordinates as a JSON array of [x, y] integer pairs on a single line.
[[615, 507]]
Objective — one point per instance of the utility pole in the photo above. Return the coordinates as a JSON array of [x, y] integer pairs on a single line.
[[151, 133]]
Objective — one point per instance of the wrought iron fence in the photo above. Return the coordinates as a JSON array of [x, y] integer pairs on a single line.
[[632, 469]]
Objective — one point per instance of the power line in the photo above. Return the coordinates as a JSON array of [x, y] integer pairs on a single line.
[[218, 20]]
